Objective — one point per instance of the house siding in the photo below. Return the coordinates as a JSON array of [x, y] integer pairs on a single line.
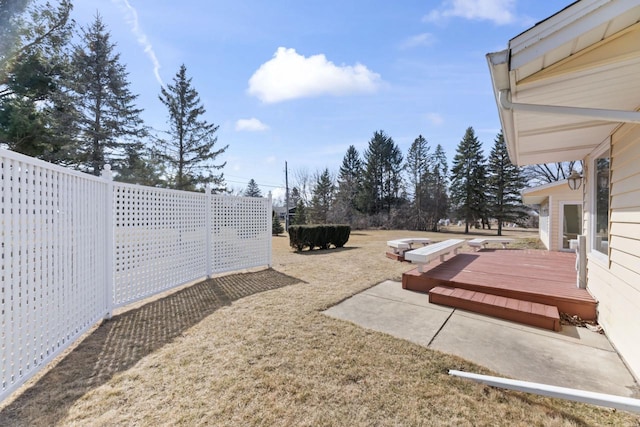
[[616, 282]]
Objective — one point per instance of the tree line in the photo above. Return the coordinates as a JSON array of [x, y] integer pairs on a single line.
[[383, 188], [69, 102]]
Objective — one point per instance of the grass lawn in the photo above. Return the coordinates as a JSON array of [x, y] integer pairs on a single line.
[[254, 349]]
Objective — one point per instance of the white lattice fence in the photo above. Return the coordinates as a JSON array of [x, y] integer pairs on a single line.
[[52, 262], [241, 232], [73, 246], [160, 240]]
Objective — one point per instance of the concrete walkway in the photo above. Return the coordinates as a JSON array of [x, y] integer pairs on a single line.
[[574, 357]]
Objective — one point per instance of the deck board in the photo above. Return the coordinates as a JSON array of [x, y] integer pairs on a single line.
[[531, 275]]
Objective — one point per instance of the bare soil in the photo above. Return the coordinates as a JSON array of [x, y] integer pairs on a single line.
[[254, 349]]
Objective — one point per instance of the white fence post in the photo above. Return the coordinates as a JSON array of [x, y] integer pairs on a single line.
[[209, 227], [107, 175]]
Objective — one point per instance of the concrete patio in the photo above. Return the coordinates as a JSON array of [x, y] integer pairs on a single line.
[[575, 357]]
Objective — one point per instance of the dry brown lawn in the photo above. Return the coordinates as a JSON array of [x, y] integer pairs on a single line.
[[254, 349]]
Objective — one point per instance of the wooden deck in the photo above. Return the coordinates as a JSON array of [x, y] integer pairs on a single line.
[[537, 276]]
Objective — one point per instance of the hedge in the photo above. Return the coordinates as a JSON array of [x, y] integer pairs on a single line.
[[318, 236]]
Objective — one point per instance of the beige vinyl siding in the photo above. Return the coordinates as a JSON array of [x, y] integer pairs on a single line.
[[616, 283]]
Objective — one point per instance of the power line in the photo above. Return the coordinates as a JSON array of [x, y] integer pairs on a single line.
[[248, 179]]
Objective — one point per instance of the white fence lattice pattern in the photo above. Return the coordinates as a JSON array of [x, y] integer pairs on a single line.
[[74, 246], [240, 233], [160, 240]]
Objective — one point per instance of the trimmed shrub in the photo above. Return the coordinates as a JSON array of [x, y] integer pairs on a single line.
[[318, 236]]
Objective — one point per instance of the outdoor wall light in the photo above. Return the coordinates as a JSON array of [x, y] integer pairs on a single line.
[[574, 180]]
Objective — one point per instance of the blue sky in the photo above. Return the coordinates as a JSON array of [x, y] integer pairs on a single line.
[[300, 81]]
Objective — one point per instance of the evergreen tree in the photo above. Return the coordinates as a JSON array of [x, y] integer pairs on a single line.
[[252, 189], [382, 175], [505, 182], [189, 149], [276, 225], [349, 185], [417, 166], [109, 120], [31, 46], [439, 174], [33, 77], [141, 167], [468, 180], [322, 198], [300, 218]]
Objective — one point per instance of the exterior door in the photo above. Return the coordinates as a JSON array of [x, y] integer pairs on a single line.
[[571, 223]]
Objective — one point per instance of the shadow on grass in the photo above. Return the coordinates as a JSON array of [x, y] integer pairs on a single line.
[[119, 343], [325, 251]]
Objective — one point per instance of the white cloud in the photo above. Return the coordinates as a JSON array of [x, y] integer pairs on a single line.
[[289, 75], [424, 39], [271, 159], [435, 118], [251, 125], [131, 16], [498, 11]]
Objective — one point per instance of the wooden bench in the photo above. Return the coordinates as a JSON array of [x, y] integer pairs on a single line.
[[426, 254], [400, 246], [481, 243]]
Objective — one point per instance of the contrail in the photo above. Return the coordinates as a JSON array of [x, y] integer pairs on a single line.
[[131, 16]]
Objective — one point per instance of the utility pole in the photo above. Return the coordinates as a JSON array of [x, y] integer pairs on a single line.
[[286, 197]]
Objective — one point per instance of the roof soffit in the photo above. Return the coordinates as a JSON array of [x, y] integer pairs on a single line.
[[621, 47]]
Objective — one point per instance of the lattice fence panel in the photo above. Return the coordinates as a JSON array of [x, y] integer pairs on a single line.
[[160, 240], [51, 262], [241, 235], [73, 246]]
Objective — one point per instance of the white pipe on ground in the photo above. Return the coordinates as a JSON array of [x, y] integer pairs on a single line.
[[594, 113], [593, 398]]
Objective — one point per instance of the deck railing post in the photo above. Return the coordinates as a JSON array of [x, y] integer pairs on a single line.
[[107, 175], [582, 261]]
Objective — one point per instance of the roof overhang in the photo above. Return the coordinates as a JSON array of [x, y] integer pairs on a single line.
[[585, 59], [537, 195]]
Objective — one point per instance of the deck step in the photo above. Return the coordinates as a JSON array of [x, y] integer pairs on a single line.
[[526, 312]]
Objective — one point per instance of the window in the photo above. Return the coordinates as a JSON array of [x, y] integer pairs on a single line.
[[601, 208]]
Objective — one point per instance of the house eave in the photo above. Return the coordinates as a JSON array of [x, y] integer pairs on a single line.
[[564, 62]]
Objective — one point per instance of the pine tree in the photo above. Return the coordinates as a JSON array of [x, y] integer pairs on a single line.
[[276, 225], [189, 149], [252, 189], [141, 167], [109, 121], [349, 185], [468, 180], [417, 166], [33, 76], [505, 182], [322, 198], [382, 175], [438, 187], [31, 46], [300, 218]]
